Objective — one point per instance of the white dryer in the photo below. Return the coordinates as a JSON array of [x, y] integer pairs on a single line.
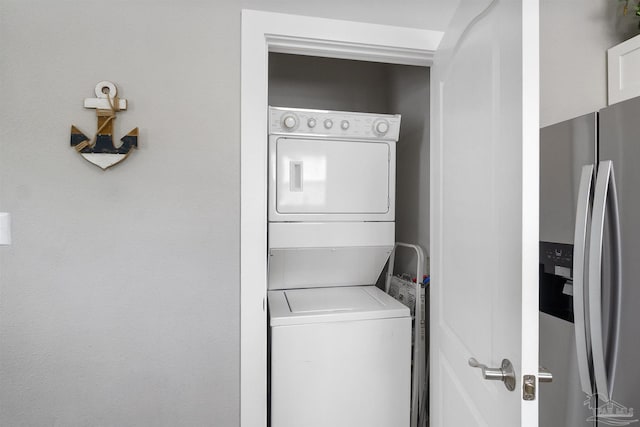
[[340, 349], [332, 179]]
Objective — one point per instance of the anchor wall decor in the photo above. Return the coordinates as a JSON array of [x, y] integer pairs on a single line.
[[100, 149]]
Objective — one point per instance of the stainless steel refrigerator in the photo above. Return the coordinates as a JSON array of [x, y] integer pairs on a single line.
[[590, 268]]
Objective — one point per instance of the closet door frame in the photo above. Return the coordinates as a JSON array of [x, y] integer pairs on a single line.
[[264, 32]]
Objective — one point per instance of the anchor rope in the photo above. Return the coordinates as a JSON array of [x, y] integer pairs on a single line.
[[110, 115]]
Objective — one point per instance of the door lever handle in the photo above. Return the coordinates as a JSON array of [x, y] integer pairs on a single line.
[[504, 373], [544, 375]]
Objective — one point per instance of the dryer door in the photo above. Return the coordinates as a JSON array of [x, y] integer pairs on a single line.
[[331, 180]]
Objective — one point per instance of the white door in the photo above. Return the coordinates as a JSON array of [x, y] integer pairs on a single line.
[[484, 201]]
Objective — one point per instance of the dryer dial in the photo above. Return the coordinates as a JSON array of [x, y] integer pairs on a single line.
[[380, 127], [289, 121]]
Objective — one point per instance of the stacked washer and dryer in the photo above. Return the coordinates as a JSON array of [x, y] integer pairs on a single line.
[[340, 348]]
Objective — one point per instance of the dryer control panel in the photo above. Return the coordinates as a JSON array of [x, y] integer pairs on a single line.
[[328, 124]]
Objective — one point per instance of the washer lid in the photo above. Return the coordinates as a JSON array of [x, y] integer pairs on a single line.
[[319, 305]]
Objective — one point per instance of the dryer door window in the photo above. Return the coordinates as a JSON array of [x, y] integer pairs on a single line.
[[331, 177]]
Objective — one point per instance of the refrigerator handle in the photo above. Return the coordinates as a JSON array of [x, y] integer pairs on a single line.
[[605, 201], [581, 320]]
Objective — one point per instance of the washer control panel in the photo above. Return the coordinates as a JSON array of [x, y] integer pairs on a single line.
[[325, 123]]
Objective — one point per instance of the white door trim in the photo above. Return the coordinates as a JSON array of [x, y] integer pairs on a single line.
[[530, 200], [263, 32]]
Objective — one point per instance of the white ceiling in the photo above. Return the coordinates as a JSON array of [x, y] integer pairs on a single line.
[[425, 14]]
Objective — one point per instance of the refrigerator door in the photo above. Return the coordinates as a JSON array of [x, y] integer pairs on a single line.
[[564, 149], [620, 143]]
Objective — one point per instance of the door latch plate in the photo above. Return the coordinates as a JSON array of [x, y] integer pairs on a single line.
[[529, 387]]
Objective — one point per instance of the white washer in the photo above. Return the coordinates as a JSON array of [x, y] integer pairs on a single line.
[[339, 357]]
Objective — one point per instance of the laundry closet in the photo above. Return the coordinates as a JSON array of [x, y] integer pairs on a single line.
[[303, 93]]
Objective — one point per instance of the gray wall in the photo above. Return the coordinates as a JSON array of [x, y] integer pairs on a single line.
[[574, 38], [119, 299], [327, 83], [429, 14], [409, 95]]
